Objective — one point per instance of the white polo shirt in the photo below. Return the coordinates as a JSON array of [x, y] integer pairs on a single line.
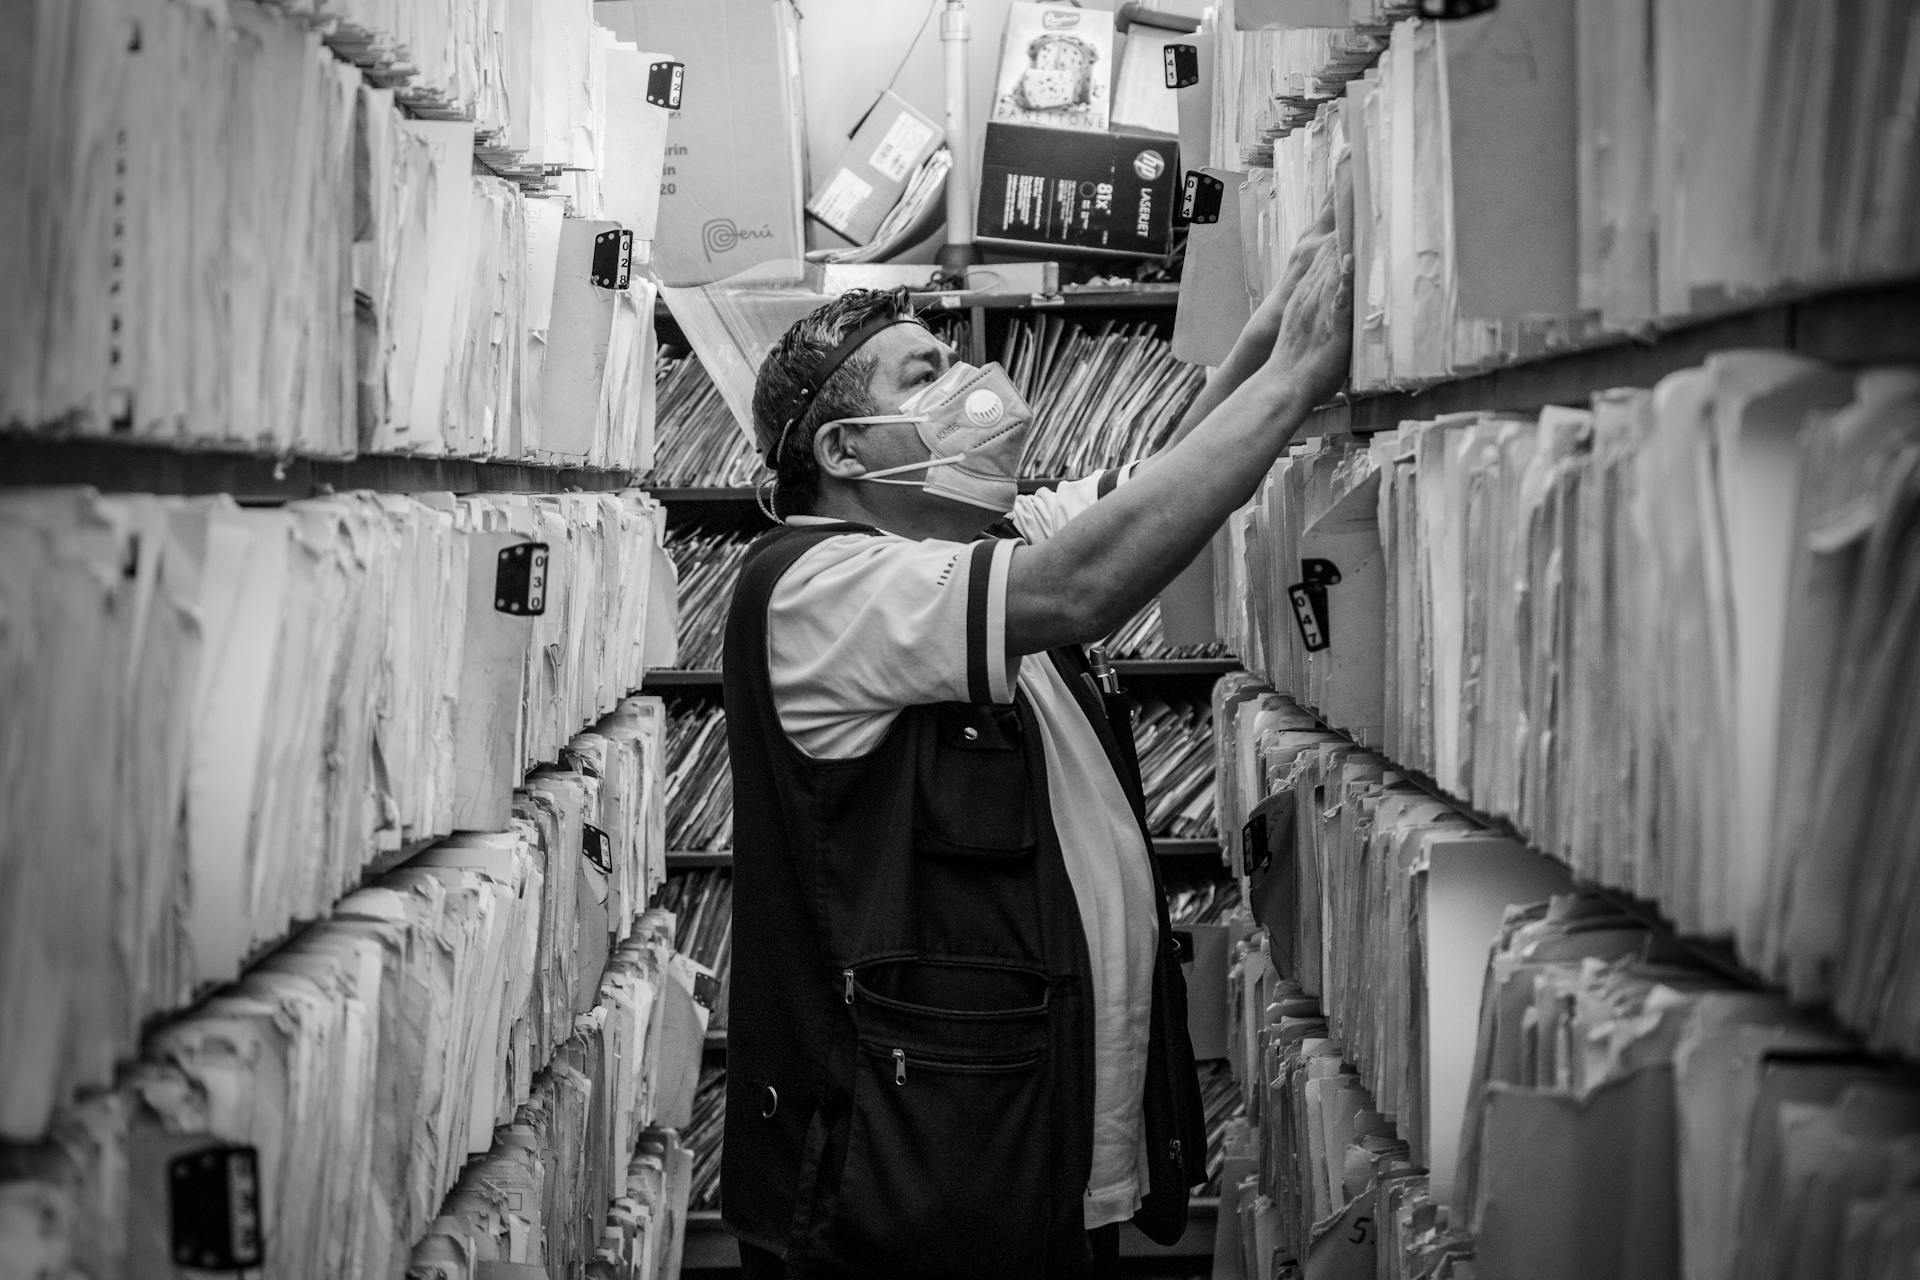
[[863, 626]]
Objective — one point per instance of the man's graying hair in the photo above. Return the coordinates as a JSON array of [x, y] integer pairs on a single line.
[[786, 372]]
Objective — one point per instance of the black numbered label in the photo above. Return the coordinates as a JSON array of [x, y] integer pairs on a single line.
[[1200, 198], [213, 1202], [520, 580], [1448, 9], [665, 80], [1309, 600], [598, 846], [613, 259], [706, 990], [1183, 66]]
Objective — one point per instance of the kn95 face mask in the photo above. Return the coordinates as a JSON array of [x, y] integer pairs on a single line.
[[973, 422]]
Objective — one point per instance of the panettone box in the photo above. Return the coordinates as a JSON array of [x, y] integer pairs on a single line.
[[1056, 67]]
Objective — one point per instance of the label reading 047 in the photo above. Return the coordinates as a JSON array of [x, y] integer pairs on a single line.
[[1309, 600], [520, 580]]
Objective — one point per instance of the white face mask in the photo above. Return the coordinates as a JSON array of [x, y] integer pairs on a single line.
[[974, 423]]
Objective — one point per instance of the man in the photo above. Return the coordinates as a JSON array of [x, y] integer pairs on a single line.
[[958, 1034]]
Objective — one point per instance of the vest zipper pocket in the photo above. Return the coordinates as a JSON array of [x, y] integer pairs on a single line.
[[902, 1058]]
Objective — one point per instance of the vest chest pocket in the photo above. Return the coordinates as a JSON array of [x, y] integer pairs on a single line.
[[973, 797]]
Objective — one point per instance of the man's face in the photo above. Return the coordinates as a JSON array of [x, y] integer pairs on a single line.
[[906, 358]]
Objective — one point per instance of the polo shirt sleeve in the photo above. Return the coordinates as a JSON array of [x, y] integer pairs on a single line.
[[861, 627], [1038, 516]]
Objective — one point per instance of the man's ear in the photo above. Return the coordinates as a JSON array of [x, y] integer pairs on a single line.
[[833, 451]]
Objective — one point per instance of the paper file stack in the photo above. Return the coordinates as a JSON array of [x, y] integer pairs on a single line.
[[703, 1135], [1708, 621], [1174, 741], [1279, 59], [702, 901], [1101, 394], [1547, 173], [710, 556], [224, 714], [700, 444], [1633, 1115], [225, 236], [446, 1010], [1300, 588], [1317, 1183], [699, 779], [578, 1167]]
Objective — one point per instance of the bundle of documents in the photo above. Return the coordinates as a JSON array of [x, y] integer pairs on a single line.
[[180, 257], [699, 778], [1535, 177], [700, 445], [572, 1171], [703, 1135], [291, 265], [1300, 586], [1220, 1098], [291, 692], [1102, 394], [1693, 695], [1319, 1164], [1732, 1137], [709, 556], [1208, 903], [702, 903], [1722, 159], [370, 1058], [1278, 61], [1174, 741]]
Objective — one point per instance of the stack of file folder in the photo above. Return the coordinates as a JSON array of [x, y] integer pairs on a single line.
[[699, 778], [227, 235], [1278, 59], [570, 1180], [702, 903], [1174, 741], [461, 1004], [1315, 1180], [709, 556], [1102, 393], [1549, 173], [228, 713], [700, 444], [703, 1135], [1692, 695], [1636, 1115]]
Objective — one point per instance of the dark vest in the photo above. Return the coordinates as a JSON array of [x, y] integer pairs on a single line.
[[909, 1059]]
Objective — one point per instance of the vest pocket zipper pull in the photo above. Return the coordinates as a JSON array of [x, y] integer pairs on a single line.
[[848, 975], [899, 1066]]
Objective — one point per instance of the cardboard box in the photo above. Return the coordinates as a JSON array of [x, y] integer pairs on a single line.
[[734, 178], [887, 150], [1093, 195], [1056, 67]]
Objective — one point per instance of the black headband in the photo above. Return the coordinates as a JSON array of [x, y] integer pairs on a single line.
[[830, 365]]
